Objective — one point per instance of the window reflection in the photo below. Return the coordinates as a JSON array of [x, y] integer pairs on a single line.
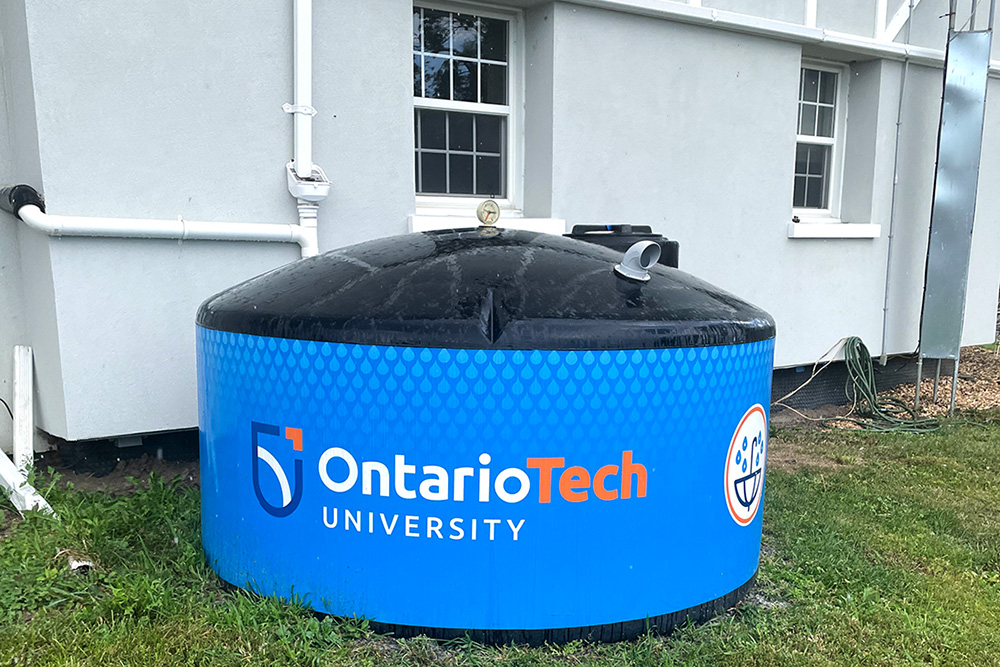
[[460, 59]]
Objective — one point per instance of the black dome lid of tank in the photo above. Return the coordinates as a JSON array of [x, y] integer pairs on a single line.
[[483, 288]]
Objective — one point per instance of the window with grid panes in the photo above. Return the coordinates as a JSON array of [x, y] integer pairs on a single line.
[[816, 140], [461, 90]]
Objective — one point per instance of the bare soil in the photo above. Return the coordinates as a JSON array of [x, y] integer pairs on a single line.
[[134, 472], [788, 453], [117, 472], [8, 520], [782, 417]]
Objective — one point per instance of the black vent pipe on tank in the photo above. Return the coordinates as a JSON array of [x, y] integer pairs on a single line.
[[622, 237]]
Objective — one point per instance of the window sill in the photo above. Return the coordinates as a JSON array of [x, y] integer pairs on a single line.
[[423, 222], [833, 230]]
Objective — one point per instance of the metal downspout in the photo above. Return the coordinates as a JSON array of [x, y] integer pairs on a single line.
[[895, 185]]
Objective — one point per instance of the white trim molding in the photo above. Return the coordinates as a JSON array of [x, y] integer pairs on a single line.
[[429, 223], [791, 32], [833, 230]]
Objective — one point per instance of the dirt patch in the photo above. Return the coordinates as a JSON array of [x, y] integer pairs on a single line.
[[790, 455], [104, 467], [809, 418], [8, 521], [978, 385], [118, 481], [764, 602]]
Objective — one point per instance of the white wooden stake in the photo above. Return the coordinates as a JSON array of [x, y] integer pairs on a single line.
[[13, 474], [24, 409]]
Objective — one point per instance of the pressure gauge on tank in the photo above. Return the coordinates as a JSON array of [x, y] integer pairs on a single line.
[[488, 212]]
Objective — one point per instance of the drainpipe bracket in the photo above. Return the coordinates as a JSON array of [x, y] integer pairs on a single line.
[[303, 109]]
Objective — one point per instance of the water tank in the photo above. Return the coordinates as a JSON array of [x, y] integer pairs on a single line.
[[485, 432]]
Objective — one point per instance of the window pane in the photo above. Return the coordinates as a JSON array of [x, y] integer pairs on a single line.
[[461, 174], [488, 134], [818, 158], [812, 176], [807, 119], [810, 85], [801, 158], [828, 87], [432, 172], [494, 84], [494, 33], [799, 198], [466, 82], [488, 176], [465, 37], [816, 192], [460, 132], [437, 75], [432, 129], [824, 122], [460, 153], [437, 29]]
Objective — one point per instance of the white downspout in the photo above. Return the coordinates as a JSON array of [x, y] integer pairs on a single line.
[[302, 36], [306, 181]]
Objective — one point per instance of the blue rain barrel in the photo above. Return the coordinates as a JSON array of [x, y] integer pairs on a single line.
[[485, 432]]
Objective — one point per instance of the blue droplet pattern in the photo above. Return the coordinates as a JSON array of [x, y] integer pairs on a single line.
[[674, 548], [510, 396]]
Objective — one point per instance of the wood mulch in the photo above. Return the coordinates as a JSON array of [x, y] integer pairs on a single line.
[[978, 384]]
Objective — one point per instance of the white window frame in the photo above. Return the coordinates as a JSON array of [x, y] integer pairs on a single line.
[[837, 143], [445, 205]]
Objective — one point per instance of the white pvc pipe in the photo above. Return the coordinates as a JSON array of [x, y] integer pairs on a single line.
[[303, 88], [179, 229]]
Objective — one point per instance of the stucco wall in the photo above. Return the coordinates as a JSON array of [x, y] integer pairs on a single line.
[[692, 130], [176, 110]]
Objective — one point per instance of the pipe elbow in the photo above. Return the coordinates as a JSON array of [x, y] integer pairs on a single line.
[[37, 219], [308, 240], [638, 259]]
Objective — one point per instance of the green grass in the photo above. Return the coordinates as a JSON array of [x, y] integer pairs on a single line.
[[885, 550]]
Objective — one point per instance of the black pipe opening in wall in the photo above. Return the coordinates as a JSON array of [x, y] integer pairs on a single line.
[[13, 197]]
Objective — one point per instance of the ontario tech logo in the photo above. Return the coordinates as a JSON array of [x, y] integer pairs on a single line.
[[745, 466], [289, 499]]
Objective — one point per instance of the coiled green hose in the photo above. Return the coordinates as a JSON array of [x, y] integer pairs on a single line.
[[871, 411]]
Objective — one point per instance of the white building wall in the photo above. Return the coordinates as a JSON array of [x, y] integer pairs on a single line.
[[175, 109], [692, 130]]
